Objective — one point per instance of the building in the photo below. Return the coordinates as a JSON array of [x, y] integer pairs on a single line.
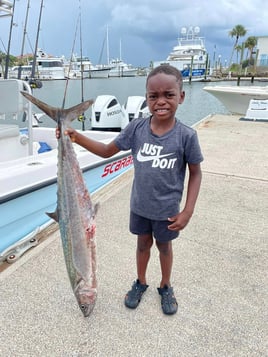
[[262, 46]]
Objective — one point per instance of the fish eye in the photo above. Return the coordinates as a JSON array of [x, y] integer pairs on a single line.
[[82, 307]]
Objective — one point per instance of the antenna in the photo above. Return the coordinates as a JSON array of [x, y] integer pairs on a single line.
[[196, 30]]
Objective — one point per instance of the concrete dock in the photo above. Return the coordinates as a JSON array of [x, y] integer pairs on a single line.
[[219, 274]]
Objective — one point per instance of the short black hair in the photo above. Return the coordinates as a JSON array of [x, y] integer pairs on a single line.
[[167, 69]]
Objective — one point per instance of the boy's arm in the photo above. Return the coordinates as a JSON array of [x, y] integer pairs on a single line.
[[181, 220], [194, 182], [94, 146]]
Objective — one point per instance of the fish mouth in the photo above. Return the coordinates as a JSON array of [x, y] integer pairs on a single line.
[[86, 297], [86, 309]]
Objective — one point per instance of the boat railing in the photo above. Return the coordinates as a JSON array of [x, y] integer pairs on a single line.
[[12, 104], [5, 8], [191, 42]]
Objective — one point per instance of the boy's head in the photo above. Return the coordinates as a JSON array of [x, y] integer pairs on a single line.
[[169, 70], [164, 92]]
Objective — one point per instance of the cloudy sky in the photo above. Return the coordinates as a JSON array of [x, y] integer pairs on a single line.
[[146, 29]]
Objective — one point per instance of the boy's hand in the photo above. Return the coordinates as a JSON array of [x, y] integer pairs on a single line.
[[179, 221], [57, 132], [70, 132]]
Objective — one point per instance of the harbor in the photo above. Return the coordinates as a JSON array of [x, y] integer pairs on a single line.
[[219, 271]]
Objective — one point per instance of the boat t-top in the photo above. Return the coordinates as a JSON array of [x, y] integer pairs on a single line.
[[189, 55]]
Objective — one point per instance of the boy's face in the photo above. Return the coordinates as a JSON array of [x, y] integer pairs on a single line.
[[163, 95]]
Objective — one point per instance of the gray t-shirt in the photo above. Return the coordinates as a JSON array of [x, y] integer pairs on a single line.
[[160, 164]]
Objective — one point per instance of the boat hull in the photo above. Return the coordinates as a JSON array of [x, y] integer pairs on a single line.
[[99, 73], [28, 169], [236, 98], [122, 72], [23, 211]]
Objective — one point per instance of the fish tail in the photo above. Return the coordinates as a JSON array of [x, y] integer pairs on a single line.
[[52, 112], [74, 112], [53, 215], [56, 113]]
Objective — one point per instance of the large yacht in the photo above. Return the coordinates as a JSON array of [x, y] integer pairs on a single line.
[[47, 67], [189, 55]]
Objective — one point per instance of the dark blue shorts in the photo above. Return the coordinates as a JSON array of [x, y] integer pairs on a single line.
[[159, 229]]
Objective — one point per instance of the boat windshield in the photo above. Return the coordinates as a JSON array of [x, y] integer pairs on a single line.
[[50, 64], [191, 42]]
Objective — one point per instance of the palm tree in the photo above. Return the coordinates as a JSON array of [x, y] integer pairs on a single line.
[[2, 59], [250, 44], [238, 49], [237, 32]]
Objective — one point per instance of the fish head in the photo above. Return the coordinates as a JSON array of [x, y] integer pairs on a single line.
[[86, 297], [86, 309]]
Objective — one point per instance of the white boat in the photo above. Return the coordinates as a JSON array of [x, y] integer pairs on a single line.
[[189, 55], [99, 71], [77, 67], [122, 69], [47, 67], [109, 114], [257, 110], [236, 98], [28, 171]]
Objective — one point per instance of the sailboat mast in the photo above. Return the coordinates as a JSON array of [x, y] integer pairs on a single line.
[[36, 42], [23, 39], [9, 42], [107, 45]]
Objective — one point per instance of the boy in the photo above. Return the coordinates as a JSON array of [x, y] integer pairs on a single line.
[[162, 147]]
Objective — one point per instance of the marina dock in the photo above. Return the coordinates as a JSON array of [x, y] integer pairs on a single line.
[[219, 272]]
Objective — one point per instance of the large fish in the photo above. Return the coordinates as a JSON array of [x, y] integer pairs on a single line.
[[75, 211]]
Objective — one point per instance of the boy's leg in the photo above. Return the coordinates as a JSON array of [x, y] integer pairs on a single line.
[[144, 244], [168, 301], [133, 296], [166, 261]]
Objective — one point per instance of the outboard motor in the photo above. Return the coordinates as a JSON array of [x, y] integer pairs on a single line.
[[136, 107], [107, 114]]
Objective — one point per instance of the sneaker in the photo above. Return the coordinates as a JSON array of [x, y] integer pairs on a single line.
[[133, 297], [168, 301]]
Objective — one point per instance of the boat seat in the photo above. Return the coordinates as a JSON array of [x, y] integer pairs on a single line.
[[12, 145], [8, 131], [11, 100]]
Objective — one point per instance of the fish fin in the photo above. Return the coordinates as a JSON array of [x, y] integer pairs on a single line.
[[54, 113], [53, 215], [96, 207], [74, 112]]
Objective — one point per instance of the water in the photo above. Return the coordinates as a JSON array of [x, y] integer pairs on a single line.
[[197, 104]]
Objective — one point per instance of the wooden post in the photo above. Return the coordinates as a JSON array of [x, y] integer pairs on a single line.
[[191, 69]]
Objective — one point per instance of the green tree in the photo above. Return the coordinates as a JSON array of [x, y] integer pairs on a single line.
[[2, 62], [250, 44], [13, 61], [237, 32], [238, 49]]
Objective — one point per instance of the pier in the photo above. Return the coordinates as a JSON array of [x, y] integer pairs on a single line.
[[219, 271]]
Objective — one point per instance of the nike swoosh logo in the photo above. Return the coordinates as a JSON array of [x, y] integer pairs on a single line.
[[143, 158]]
